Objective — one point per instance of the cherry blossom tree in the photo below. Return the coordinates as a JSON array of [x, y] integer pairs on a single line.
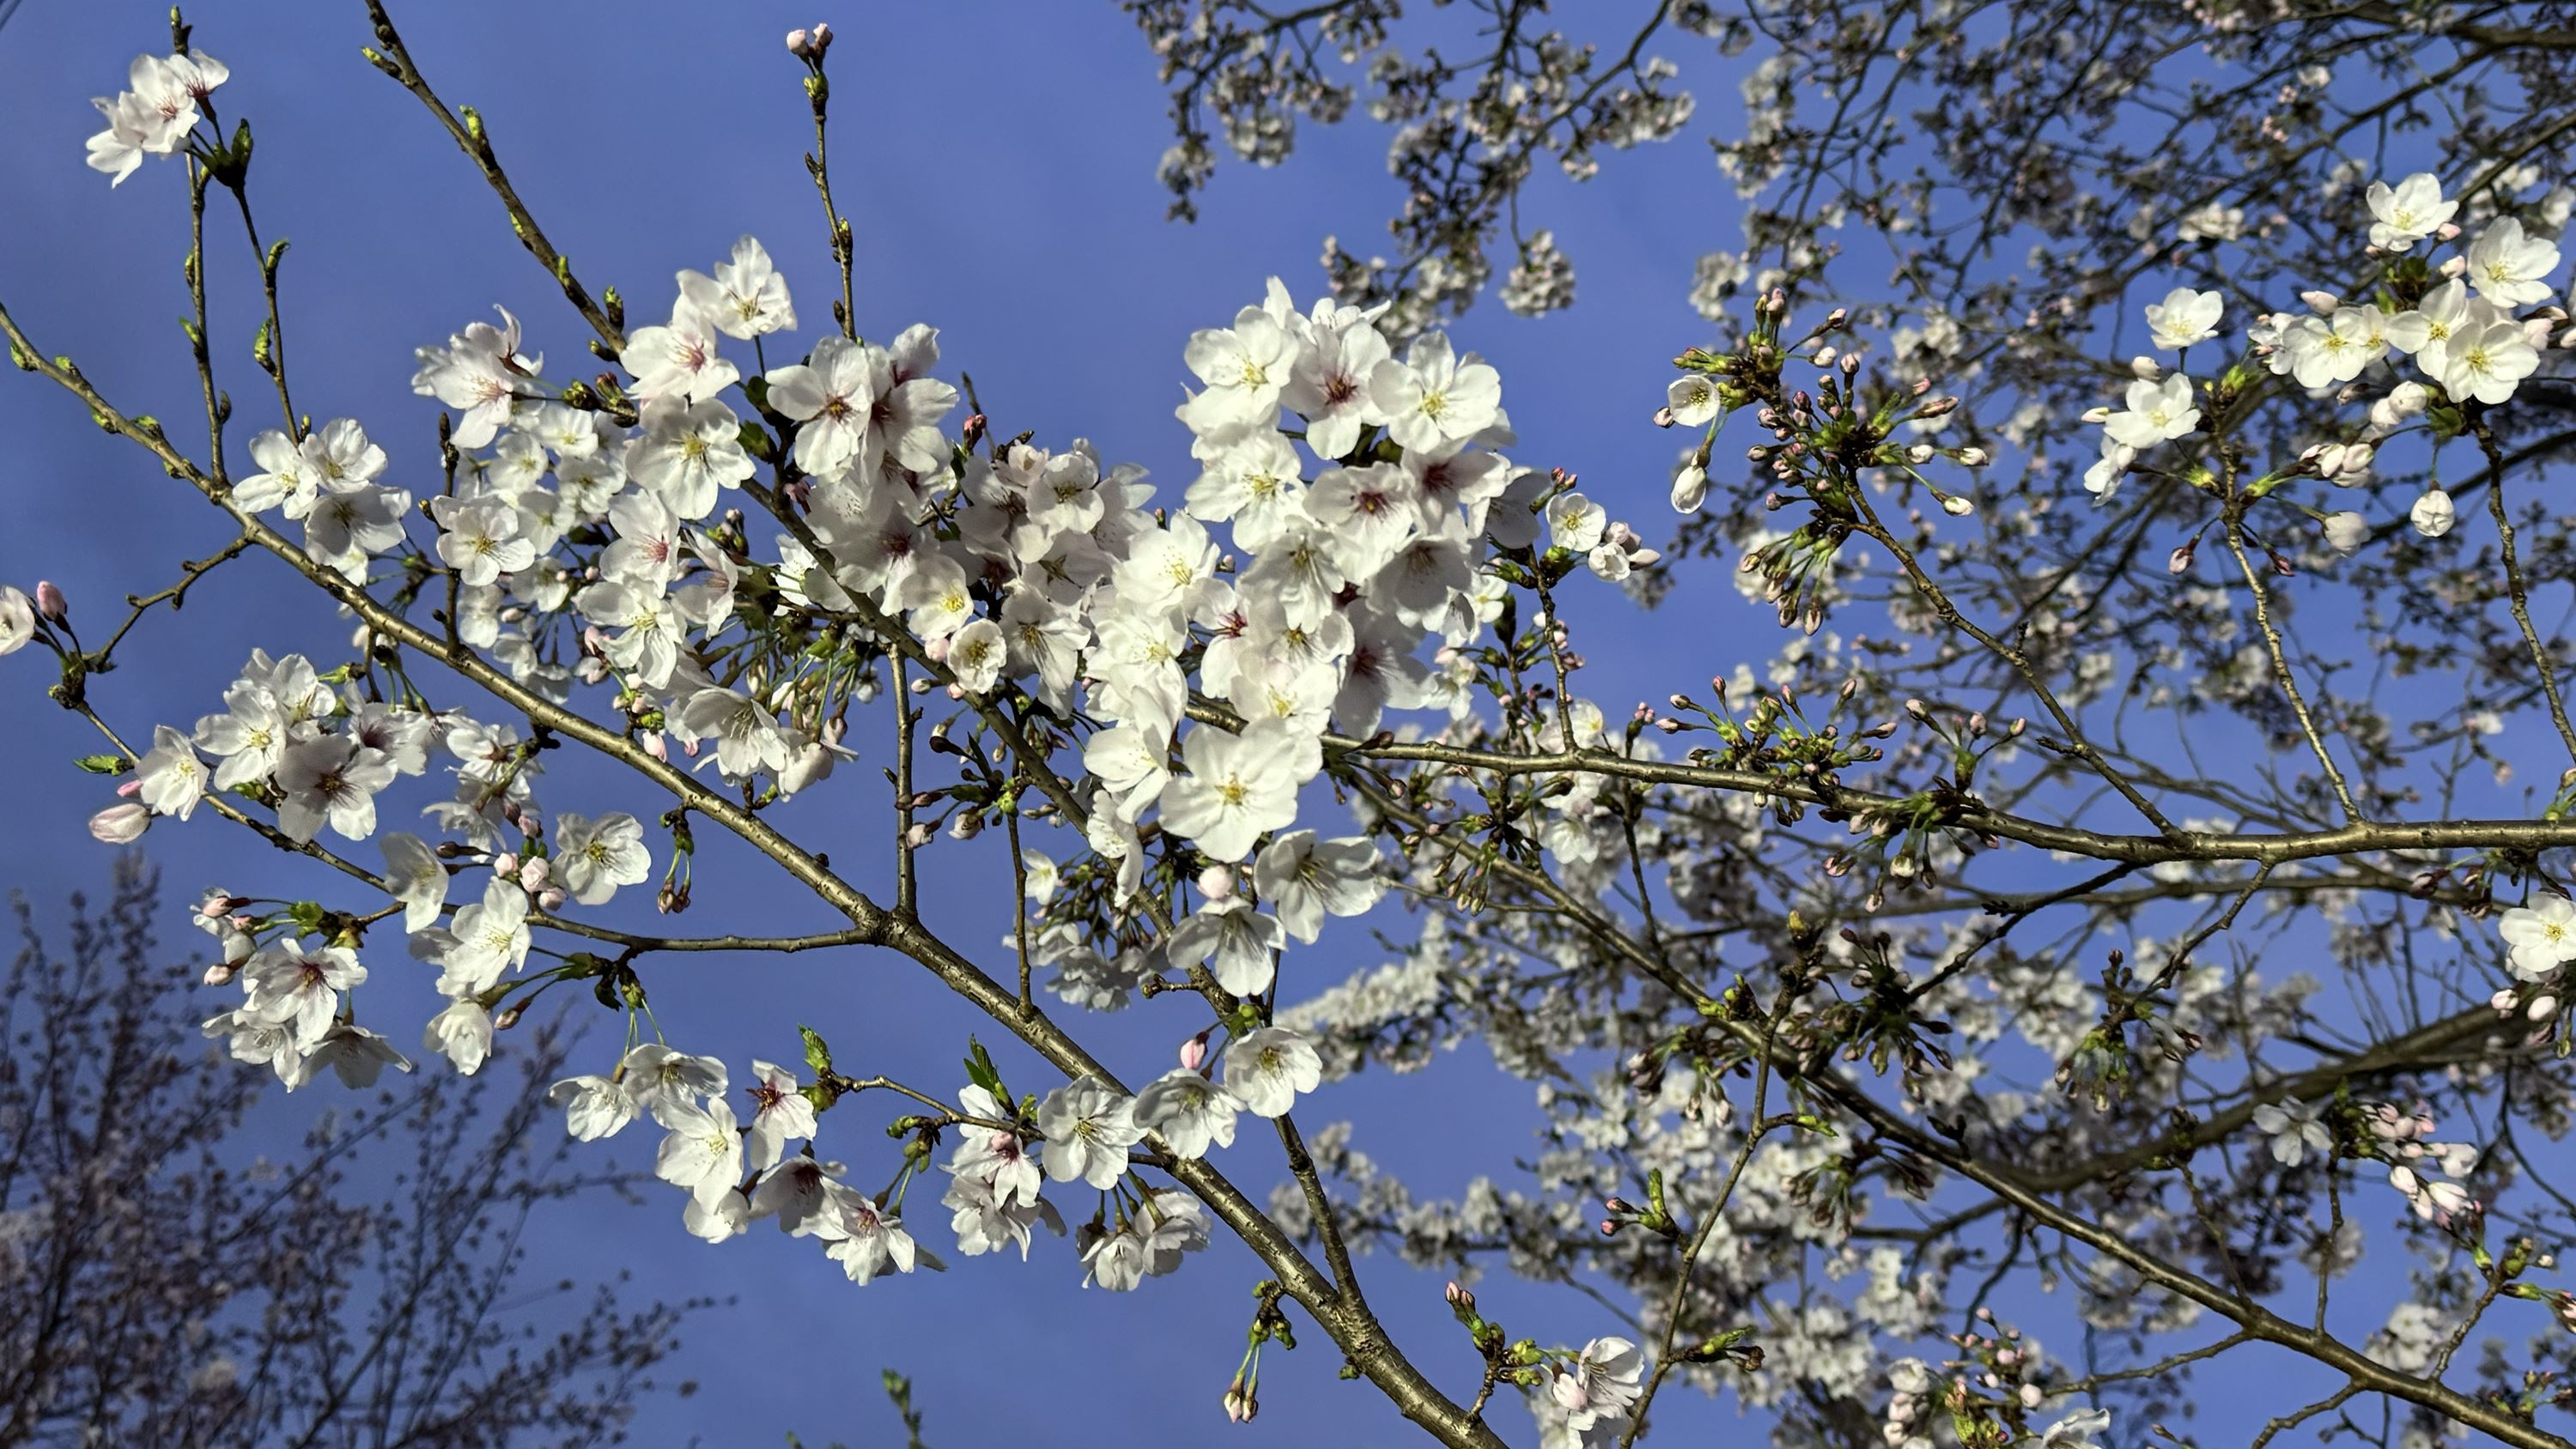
[[2130, 889], [163, 1283]]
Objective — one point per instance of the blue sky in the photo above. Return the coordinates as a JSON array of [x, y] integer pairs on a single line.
[[997, 162]]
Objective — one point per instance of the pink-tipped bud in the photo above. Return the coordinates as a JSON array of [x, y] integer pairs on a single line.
[[120, 824], [797, 42], [507, 1019], [50, 602], [220, 974], [1216, 883], [534, 874], [1194, 1053], [506, 863]]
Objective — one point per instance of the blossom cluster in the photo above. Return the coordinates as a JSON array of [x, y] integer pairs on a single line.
[[2455, 321], [584, 540]]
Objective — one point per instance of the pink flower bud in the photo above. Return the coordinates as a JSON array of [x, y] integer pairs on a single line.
[[534, 874], [2542, 1007], [1216, 883], [1194, 1052], [219, 974], [506, 863], [796, 42], [551, 898], [120, 824], [50, 601], [129, 789]]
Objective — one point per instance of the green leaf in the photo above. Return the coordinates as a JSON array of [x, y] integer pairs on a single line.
[[979, 1070]]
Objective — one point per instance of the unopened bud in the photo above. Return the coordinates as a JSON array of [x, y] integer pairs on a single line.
[[120, 824], [50, 601]]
